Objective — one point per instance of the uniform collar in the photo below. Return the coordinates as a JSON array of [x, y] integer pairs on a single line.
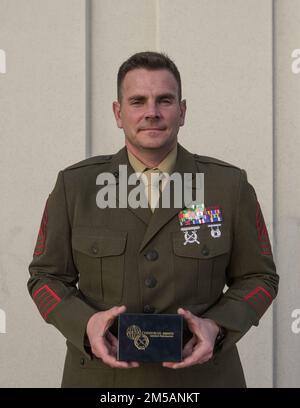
[[185, 161], [167, 165]]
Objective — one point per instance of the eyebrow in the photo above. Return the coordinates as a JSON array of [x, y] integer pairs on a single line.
[[166, 95], [142, 97]]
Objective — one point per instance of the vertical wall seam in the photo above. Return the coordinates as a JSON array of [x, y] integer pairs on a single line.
[[88, 73], [274, 150]]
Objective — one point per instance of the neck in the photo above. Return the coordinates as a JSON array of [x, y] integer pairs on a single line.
[[150, 157]]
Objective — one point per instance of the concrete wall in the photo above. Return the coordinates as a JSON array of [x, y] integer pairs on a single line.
[[55, 108], [42, 129]]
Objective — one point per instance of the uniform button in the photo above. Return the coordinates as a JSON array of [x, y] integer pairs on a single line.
[[82, 361], [149, 309], [205, 251], [150, 282], [94, 250], [151, 255], [116, 174]]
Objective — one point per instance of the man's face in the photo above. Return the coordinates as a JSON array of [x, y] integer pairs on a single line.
[[150, 112]]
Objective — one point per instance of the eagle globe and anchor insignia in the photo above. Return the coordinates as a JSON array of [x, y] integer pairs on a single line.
[[140, 340], [150, 337]]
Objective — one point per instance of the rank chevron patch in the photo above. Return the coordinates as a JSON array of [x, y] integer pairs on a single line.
[[262, 232]]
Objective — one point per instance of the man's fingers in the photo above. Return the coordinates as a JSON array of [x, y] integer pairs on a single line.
[[113, 340], [109, 358], [200, 354], [111, 314], [115, 311], [99, 348], [187, 362], [112, 344], [186, 314], [189, 346], [113, 362], [192, 321], [106, 350]]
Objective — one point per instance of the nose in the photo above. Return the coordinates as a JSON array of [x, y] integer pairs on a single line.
[[152, 111]]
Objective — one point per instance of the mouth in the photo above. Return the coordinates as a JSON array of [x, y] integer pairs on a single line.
[[153, 129]]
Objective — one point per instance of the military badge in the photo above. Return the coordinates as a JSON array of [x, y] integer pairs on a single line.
[[214, 216], [215, 231], [190, 235], [191, 218]]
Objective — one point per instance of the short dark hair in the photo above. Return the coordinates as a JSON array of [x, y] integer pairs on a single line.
[[149, 60]]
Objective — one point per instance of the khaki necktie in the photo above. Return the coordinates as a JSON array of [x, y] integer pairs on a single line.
[[153, 186]]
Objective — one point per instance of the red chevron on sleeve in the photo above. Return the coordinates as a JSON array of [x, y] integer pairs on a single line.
[[262, 232], [46, 300], [41, 239], [259, 298]]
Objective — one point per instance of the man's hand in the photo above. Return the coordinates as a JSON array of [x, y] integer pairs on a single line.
[[200, 347], [103, 343]]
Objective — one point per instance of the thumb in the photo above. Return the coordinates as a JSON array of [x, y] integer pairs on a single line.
[[116, 311]]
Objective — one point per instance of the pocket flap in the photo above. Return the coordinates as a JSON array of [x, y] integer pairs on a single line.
[[99, 243], [208, 246]]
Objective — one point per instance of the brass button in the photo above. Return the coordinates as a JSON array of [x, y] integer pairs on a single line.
[[205, 251], [82, 361], [95, 250], [149, 309], [150, 282], [151, 255]]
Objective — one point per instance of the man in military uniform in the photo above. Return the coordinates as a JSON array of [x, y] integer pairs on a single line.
[[90, 264]]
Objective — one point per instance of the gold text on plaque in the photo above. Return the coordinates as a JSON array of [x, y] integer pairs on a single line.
[[141, 338]]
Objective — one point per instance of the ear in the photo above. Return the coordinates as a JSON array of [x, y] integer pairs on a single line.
[[182, 112], [117, 112]]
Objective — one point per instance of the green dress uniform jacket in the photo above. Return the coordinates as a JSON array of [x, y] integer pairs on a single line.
[[89, 259]]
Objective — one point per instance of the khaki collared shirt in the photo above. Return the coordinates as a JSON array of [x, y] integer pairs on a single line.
[[165, 166]]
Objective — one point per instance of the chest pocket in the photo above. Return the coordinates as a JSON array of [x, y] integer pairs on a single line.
[[200, 269], [99, 258]]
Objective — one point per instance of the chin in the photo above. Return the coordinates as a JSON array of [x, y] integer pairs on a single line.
[[155, 143]]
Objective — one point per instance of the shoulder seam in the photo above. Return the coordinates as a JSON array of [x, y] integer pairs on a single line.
[[91, 161], [211, 160]]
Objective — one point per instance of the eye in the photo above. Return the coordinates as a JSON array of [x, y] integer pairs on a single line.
[[136, 102], [165, 101]]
